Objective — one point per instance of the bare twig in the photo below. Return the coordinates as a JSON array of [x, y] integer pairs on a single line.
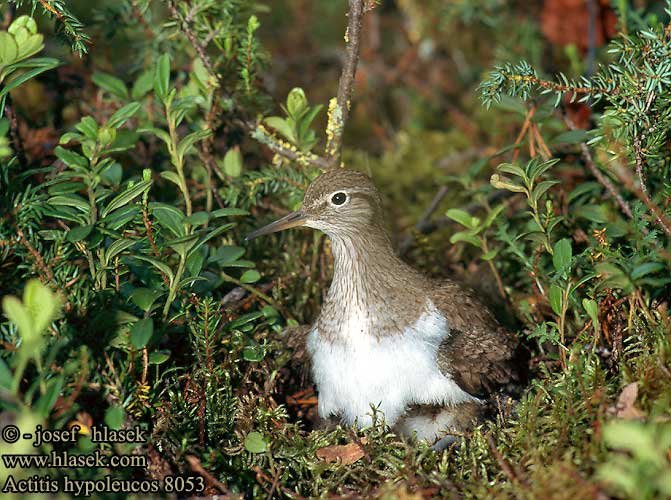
[[602, 179], [191, 36], [285, 149], [339, 109], [642, 192], [427, 226], [198, 468], [509, 470], [423, 221], [39, 260], [523, 130], [14, 132]]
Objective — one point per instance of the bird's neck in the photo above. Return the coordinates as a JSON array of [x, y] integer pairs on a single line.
[[372, 284]]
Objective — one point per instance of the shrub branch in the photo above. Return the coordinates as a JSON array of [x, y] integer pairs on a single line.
[[339, 109]]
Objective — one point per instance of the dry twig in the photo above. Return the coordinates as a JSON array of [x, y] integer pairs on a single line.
[[603, 180], [339, 110]]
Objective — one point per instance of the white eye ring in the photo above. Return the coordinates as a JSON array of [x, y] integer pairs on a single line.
[[338, 198]]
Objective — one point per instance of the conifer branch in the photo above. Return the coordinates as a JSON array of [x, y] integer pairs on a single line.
[[67, 23]]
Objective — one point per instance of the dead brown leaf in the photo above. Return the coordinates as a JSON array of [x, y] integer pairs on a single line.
[[625, 408], [345, 454]]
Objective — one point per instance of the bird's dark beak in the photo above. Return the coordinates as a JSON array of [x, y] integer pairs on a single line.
[[294, 219]]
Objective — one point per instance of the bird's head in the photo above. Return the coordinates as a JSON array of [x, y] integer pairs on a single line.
[[339, 202]]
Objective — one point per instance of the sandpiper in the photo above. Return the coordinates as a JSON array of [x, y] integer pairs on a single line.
[[425, 353]]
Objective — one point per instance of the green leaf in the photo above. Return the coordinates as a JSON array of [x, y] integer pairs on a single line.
[[228, 253], [255, 442], [169, 218], [304, 126], [253, 353], [282, 126], [188, 141], [46, 403], [562, 255], [227, 212], [18, 314], [492, 215], [183, 244], [592, 309], [212, 234], [144, 298], [39, 66], [463, 218], [162, 77], [490, 254], [112, 175], [541, 188], [158, 265], [502, 183], [88, 127], [270, 312], [160, 133], [197, 219], [585, 188], [71, 159], [119, 218], [79, 233], [142, 85], [239, 263], [42, 304], [172, 177], [613, 276], [158, 357], [114, 417], [509, 168], [556, 299], [593, 213], [65, 188], [122, 115], [126, 197], [141, 332], [111, 84], [27, 39], [117, 247], [296, 102], [39, 308], [250, 276], [233, 162], [464, 236], [194, 263], [244, 319], [70, 200], [645, 269], [9, 50], [571, 137], [6, 376]]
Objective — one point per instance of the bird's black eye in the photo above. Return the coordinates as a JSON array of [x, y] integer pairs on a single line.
[[339, 198]]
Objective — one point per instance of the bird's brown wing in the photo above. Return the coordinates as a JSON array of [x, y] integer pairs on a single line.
[[479, 354], [296, 339]]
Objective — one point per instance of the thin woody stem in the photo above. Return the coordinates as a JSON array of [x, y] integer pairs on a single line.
[[339, 113], [642, 193], [602, 179]]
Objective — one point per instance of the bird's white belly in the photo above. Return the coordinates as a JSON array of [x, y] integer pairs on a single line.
[[389, 373]]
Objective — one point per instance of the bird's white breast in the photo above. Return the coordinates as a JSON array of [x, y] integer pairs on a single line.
[[390, 372]]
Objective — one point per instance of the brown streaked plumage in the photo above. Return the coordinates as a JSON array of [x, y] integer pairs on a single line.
[[423, 351]]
